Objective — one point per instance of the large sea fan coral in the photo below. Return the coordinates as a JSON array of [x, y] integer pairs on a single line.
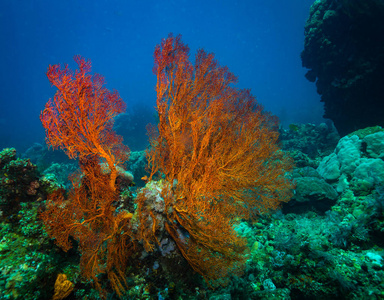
[[217, 151]]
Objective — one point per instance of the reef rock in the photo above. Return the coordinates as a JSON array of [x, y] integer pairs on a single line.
[[344, 54]]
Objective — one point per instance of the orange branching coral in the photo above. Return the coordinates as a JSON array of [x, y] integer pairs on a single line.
[[80, 117], [79, 120], [88, 216], [217, 150]]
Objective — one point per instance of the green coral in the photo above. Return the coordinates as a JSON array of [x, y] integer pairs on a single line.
[[30, 224], [362, 133], [23, 266], [6, 156], [29, 261]]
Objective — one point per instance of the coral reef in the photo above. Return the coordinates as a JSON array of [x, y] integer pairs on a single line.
[[28, 259], [334, 251], [307, 143], [343, 53], [207, 223], [19, 182], [137, 166]]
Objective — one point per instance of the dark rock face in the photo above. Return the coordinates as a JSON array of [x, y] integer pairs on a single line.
[[344, 52]]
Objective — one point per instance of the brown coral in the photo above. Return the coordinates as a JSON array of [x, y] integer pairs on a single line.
[[63, 287]]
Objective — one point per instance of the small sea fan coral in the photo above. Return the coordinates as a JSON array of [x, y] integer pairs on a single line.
[[79, 120]]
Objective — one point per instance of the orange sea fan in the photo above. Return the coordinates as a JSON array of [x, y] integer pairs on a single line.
[[218, 151], [79, 120]]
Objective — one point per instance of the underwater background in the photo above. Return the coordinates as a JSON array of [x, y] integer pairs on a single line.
[[259, 41], [192, 149]]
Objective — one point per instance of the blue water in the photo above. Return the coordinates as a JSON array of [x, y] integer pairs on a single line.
[[259, 40]]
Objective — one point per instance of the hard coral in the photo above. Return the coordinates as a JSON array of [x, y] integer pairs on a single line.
[[19, 181]]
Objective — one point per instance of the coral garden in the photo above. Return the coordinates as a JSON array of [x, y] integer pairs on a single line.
[[223, 204], [326, 243]]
